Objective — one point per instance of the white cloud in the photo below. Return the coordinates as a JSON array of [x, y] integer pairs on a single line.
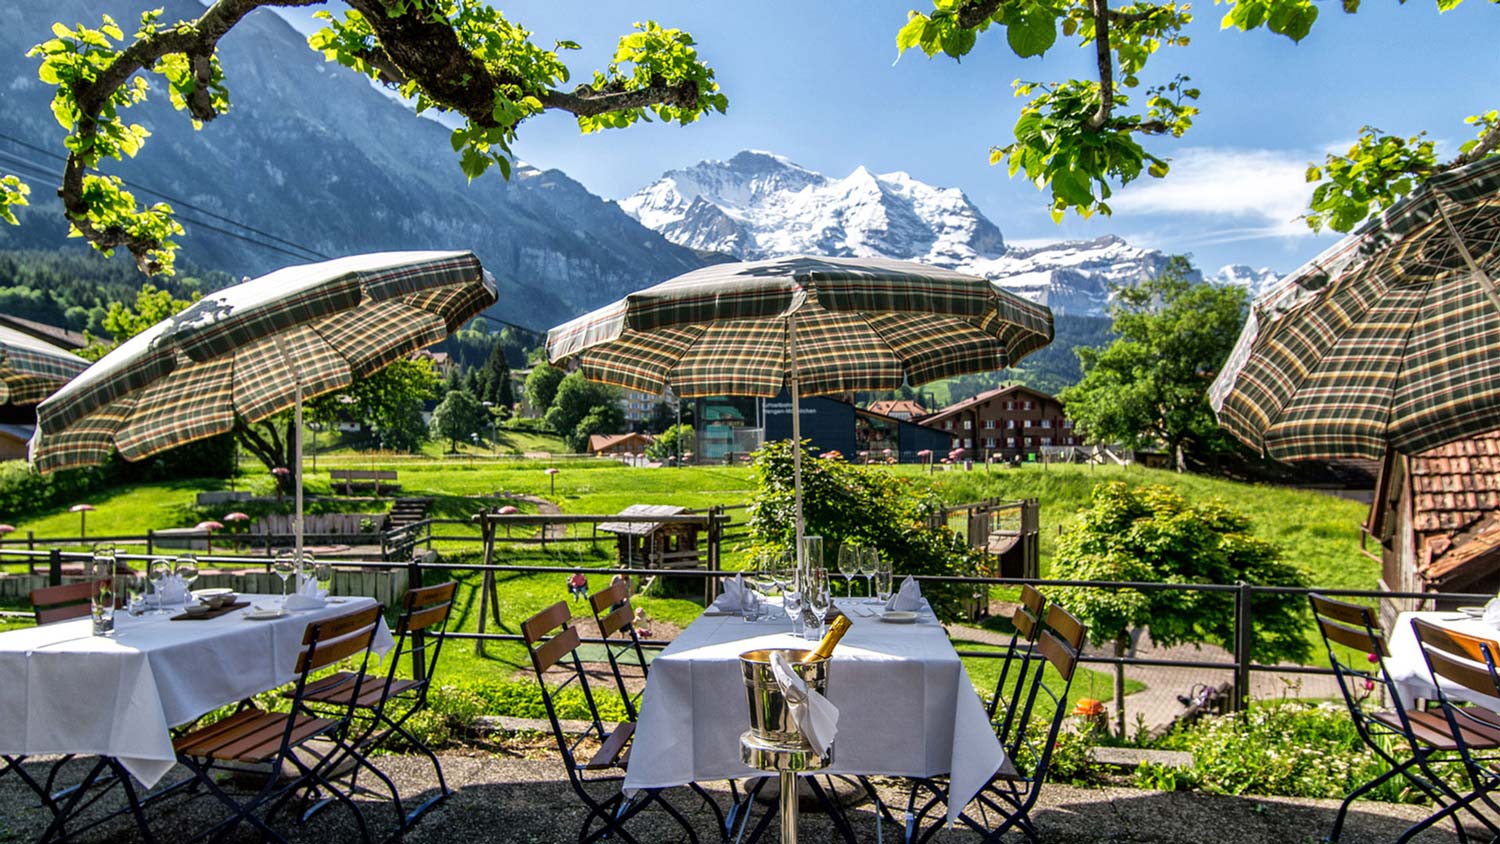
[[1263, 191]]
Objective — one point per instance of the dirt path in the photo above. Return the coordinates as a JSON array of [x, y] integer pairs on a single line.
[[545, 508]]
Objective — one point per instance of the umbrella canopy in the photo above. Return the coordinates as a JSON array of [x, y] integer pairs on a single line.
[[31, 369], [1389, 338], [860, 324], [812, 325], [245, 350]]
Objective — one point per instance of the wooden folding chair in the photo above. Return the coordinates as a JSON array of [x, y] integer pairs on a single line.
[[553, 642], [1027, 621], [373, 700], [281, 740], [61, 603], [1469, 664], [1420, 733], [616, 619], [1013, 790]]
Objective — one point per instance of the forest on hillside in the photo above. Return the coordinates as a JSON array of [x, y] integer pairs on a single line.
[[72, 288]]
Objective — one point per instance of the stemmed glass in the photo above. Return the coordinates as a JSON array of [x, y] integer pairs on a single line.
[[137, 587], [869, 566], [161, 569], [186, 568], [850, 560], [323, 574], [818, 597], [791, 594], [285, 565]]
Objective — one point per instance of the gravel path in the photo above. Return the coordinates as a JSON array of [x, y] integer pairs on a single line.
[[500, 799]]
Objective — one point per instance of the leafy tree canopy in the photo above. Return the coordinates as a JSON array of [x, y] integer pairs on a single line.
[[462, 57], [1081, 138], [458, 417], [600, 419], [1149, 387], [575, 399], [388, 401], [541, 386], [675, 440]]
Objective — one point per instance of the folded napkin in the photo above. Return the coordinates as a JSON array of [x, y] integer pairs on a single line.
[[729, 601], [308, 596], [908, 598], [1492, 612], [173, 590], [816, 717]]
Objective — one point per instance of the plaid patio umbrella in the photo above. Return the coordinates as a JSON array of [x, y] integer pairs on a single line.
[[255, 349], [814, 325], [1389, 338], [32, 369]]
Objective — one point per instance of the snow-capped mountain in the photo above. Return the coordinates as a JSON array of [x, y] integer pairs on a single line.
[[762, 205], [1257, 281]]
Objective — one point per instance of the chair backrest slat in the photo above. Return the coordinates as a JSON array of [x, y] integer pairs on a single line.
[[1068, 629], [1459, 657], [60, 603], [340, 626], [1058, 652], [426, 596], [1358, 638], [536, 628], [616, 621], [1351, 625], [616, 592], [556, 648], [1352, 614], [427, 607], [1032, 599], [329, 640]]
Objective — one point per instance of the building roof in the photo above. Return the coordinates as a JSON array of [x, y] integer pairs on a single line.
[[17, 432], [63, 337], [1455, 505], [601, 442], [641, 528], [891, 407], [985, 397]]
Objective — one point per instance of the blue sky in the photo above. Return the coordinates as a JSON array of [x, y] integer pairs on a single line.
[[818, 82]]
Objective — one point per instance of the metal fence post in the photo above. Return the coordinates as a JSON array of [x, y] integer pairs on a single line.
[[150, 542], [1242, 640], [54, 568]]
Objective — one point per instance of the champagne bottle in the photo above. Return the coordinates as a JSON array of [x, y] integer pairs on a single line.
[[836, 631]]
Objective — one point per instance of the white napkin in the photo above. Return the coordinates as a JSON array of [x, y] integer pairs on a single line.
[[816, 717], [307, 597], [173, 590], [1492, 612], [908, 598], [729, 601]]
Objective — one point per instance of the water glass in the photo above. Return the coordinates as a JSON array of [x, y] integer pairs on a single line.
[[323, 574], [749, 600], [137, 587], [161, 569], [791, 601], [884, 582], [99, 571]]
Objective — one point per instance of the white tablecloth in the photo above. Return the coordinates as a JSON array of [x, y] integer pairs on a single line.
[[64, 690], [906, 706], [1409, 670]]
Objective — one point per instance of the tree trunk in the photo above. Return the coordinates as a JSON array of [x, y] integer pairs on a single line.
[[1122, 644], [264, 441]]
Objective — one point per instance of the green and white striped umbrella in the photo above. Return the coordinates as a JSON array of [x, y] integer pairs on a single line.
[[1389, 338], [32, 369], [812, 325]]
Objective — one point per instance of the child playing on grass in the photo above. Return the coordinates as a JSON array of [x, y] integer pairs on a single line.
[[578, 586]]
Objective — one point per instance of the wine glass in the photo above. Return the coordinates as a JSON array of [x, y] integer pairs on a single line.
[[869, 566], [819, 598], [285, 565], [323, 574], [161, 569], [186, 568], [849, 563], [791, 596]]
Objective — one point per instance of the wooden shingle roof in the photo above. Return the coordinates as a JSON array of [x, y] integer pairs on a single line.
[[1455, 497]]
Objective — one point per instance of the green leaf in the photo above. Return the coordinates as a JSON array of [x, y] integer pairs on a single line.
[[910, 35], [1031, 33]]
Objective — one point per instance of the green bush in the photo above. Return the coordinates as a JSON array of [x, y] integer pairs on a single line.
[[528, 426], [842, 501], [23, 491]]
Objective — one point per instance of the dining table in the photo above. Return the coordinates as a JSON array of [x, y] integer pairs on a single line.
[[65, 690], [906, 705], [1408, 669]]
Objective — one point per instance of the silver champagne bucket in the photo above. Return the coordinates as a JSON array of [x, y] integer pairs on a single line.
[[773, 743]]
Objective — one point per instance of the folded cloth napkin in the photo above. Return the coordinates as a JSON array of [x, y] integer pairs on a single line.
[[816, 717], [729, 601], [908, 598], [1492, 612], [173, 590], [307, 597]]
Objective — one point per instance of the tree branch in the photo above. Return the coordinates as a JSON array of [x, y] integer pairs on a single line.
[[586, 102], [1100, 11], [1488, 143]]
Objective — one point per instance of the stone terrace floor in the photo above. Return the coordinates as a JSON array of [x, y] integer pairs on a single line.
[[503, 799]]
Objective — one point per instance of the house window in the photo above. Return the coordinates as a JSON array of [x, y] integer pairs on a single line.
[[1067, 423], [989, 442], [968, 424], [947, 424], [989, 424], [1010, 405], [1046, 423], [1010, 423], [1046, 441], [1026, 405], [968, 443], [1010, 442], [1027, 441]]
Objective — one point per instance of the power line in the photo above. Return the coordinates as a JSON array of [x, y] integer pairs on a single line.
[[177, 201]]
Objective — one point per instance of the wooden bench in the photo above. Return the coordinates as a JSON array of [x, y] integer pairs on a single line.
[[363, 479]]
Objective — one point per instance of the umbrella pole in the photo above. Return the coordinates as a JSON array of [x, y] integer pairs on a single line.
[[791, 348], [298, 479]]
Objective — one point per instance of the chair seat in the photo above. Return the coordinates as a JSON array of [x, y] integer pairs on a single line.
[[250, 735], [339, 688], [1431, 728], [615, 751]]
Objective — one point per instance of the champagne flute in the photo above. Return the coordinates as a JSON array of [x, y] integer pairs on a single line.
[[285, 565], [161, 569], [186, 568], [819, 598], [870, 566], [791, 596], [849, 562]]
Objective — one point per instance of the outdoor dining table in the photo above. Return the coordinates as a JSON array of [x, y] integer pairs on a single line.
[[64, 690], [1408, 669], [906, 705]]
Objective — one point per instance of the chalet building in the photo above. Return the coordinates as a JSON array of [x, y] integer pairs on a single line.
[[1436, 520], [615, 444], [1010, 423], [903, 409]]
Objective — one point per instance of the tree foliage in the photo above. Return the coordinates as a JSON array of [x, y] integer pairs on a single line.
[[576, 400], [461, 57], [541, 386], [842, 501], [1080, 138], [600, 419], [388, 401], [459, 417], [1149, 387], [675, 440]]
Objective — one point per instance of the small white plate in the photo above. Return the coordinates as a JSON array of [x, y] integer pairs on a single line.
[[1472, 612], [209, 593], [898, 617], [255, 614]]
